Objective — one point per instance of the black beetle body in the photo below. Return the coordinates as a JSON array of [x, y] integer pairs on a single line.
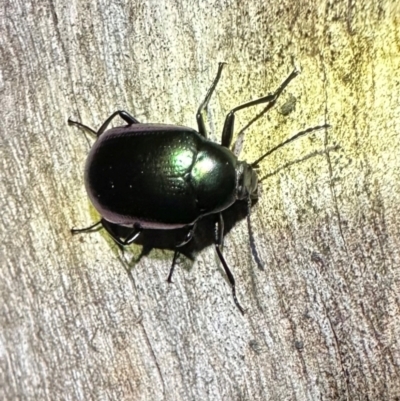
[[157, 176], [163, 176]]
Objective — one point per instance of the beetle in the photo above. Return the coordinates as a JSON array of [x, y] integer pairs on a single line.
[[144, 176]]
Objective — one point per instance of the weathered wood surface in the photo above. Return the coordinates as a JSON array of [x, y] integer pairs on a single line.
[[323, 318]]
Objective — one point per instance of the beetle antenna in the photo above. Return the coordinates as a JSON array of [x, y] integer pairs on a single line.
[[293, 138]]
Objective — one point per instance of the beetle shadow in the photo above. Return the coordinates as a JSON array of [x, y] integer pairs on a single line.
[[203, 235]]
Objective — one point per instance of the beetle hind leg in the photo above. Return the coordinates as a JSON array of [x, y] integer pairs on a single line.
[[93, 227], [121, 113], [112, 230], [199, 115], [85, 127]]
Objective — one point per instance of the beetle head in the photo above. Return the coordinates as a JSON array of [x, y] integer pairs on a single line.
[[247, 181]]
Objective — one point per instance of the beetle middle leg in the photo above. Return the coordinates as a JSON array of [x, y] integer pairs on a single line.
[[227, 132], [171, 270], [199, 115], [188, 237], [219, 238]]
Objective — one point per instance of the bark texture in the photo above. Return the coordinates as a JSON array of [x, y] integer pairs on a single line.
[[79, 320]]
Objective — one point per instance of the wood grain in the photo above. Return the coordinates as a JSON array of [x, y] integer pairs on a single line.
[[79, 320]]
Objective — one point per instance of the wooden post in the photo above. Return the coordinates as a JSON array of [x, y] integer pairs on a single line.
[[323, 318]]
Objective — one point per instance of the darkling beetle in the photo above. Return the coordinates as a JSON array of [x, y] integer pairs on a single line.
[[159, 176]]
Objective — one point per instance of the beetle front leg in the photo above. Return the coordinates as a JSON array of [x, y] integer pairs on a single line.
[[219, 237], [227, 132], [199, 115]]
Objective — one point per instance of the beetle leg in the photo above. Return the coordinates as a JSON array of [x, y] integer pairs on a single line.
[[133, 235], [188, 237], [86, 229], [110, 228], [227, 132], [123, 114], [199, 115], [219, 237], [171, 270], [85, 127], [128, 117]]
